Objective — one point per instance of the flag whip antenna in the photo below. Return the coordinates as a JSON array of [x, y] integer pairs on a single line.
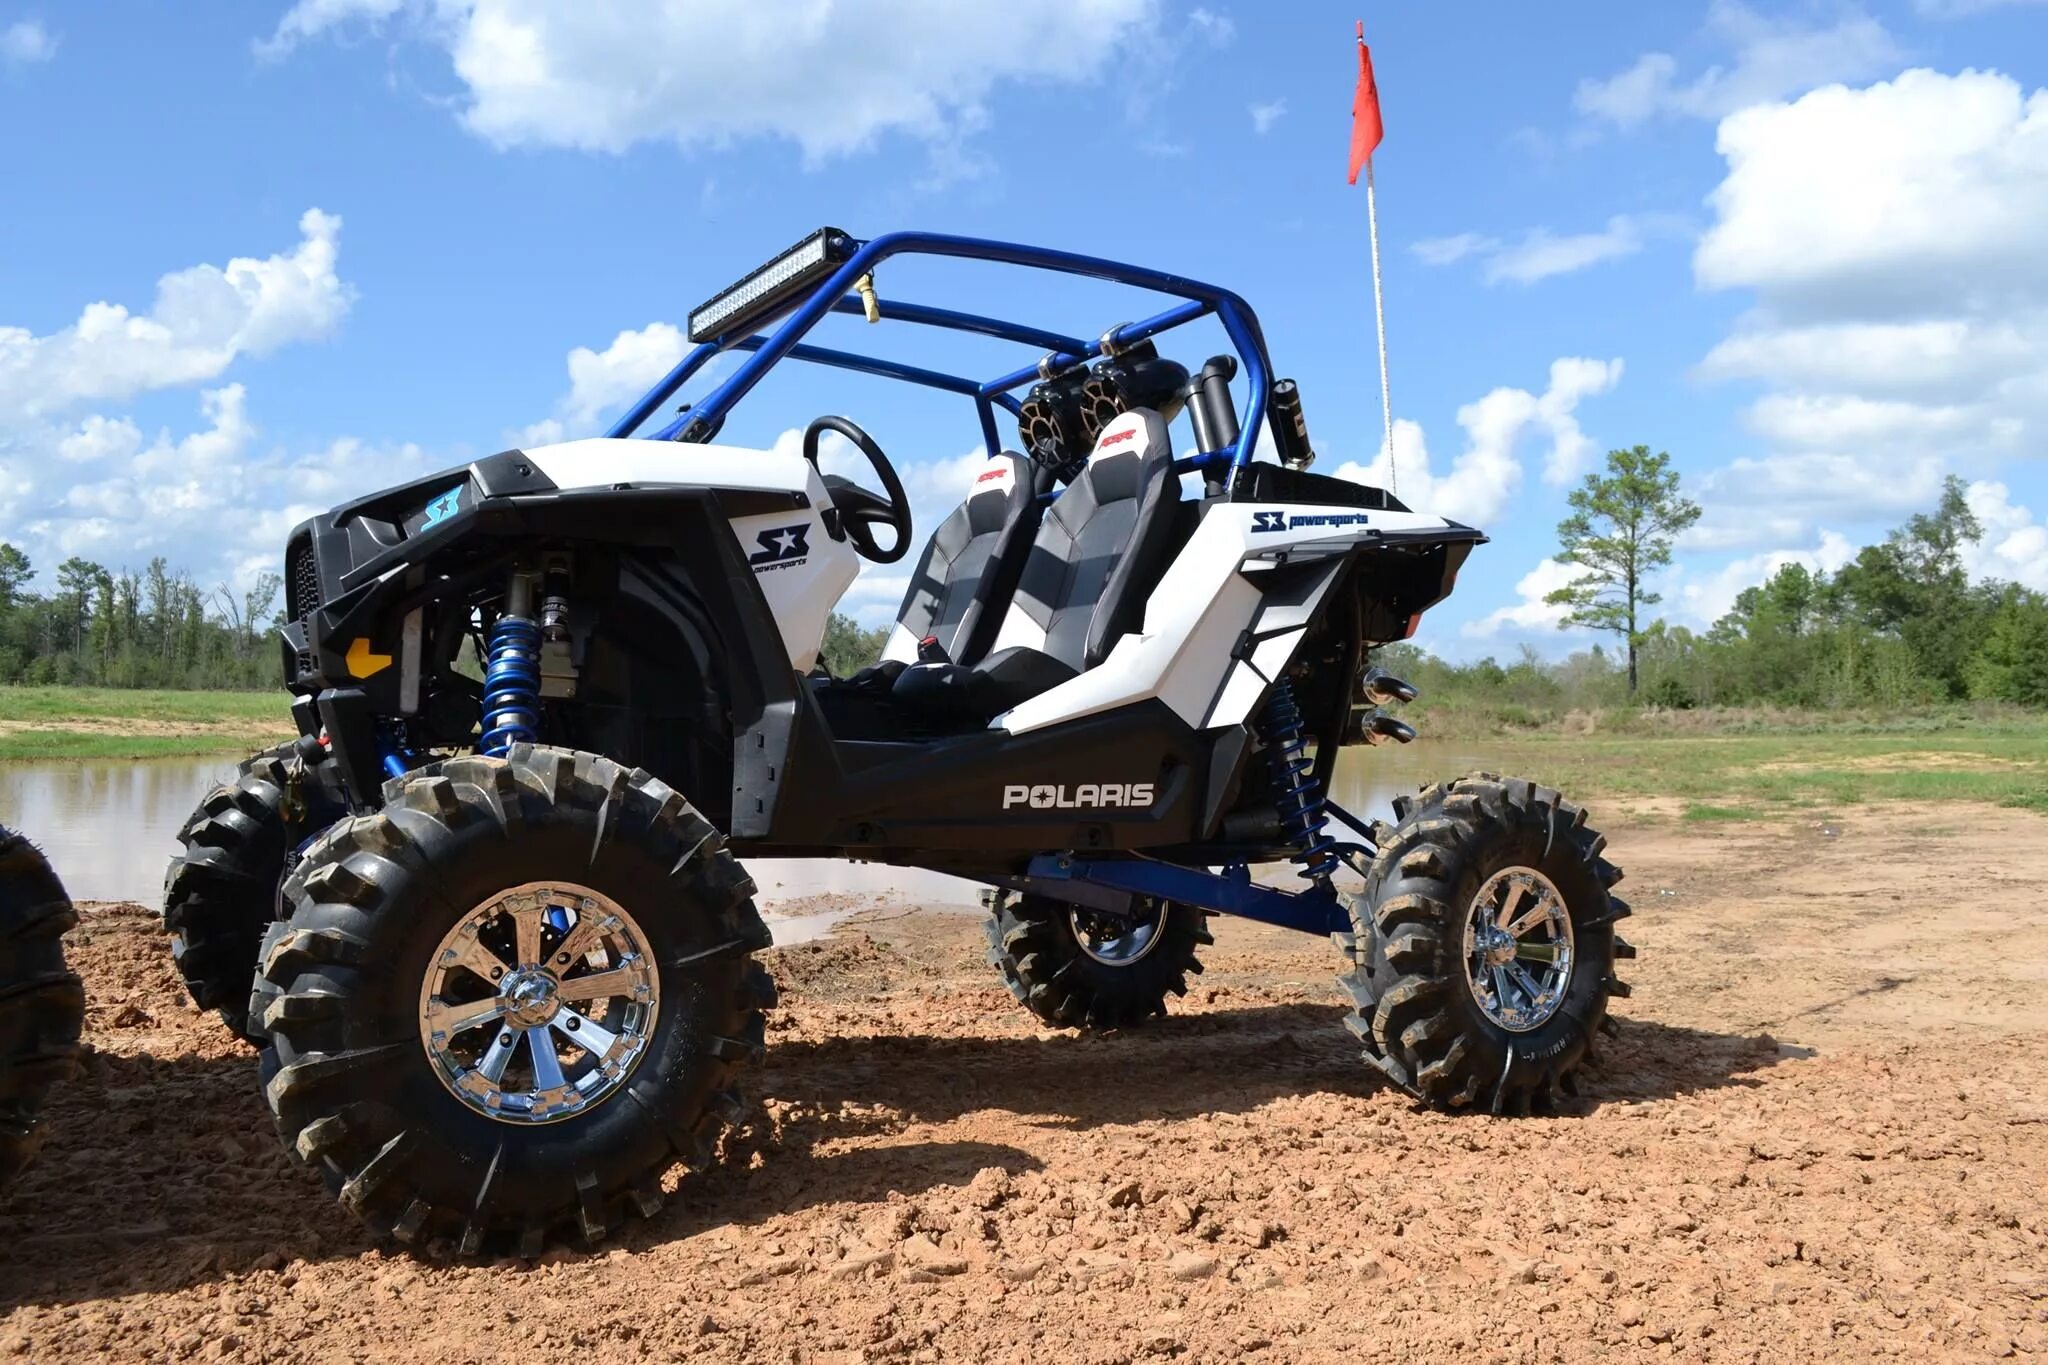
[[1366, 133]]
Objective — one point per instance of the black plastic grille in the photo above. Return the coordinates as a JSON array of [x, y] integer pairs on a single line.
[[302, 581]]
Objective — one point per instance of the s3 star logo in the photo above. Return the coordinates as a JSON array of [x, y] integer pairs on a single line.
[[781, 547]]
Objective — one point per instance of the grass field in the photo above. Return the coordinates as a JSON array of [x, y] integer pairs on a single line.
[[1761, 773], [49, 723], [1727, 767]]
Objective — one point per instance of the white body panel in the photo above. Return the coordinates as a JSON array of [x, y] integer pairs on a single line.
[[802, 570], [1203, 604]]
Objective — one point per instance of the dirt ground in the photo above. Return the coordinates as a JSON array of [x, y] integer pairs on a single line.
[[1820, 1133]]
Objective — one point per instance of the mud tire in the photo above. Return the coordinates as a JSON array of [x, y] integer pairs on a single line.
[[349, 1081], [1031, 941], [42, 1004], [1414, 1008], [221, 892]]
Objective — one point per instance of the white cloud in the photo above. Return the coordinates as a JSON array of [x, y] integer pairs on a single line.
[[2015, 545], [211, 500], [1218, 30], [202, 318], [1959, 9], [1908, 195], [1701, 601], [1485, 477], [1773, 58], [1529, 611], [1451, 250], [830, 75], [1542, 253], [25, 43], [311, 18], [1890, 237], [1264, 116]]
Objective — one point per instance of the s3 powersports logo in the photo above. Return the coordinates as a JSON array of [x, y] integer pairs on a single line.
[[781, 547], [1263, 522], [1084, 796]]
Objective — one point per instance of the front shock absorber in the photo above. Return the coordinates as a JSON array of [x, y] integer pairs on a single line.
[[512, 673], [1296, 793]]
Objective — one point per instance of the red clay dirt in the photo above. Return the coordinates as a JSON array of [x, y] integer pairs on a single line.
[[1821, 1133]]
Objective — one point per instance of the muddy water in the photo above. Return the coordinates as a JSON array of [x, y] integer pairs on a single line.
[[109, 828]]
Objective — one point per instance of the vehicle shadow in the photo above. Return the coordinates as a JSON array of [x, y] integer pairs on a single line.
[[160, 1174]]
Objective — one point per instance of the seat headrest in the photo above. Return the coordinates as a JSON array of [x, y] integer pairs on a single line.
[[989, 492], [1127, 447]]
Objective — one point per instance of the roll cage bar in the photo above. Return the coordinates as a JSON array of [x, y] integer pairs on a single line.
[[837, 294]]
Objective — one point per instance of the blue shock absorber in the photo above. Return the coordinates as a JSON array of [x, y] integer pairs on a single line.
[[511, 685], [1296, 793]]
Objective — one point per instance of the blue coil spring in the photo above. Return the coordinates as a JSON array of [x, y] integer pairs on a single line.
[[1296, 794], [511, 686]]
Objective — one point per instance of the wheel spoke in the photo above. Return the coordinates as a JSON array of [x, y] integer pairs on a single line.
[[528, 919], [491, 1066], [1536, 952], [1538, 914], [450, 1020], [1500, 986], [619, 981], [593, 1038], [547, 1066], [590, 928], [1513, 898], [469, 953], [1525, 981]]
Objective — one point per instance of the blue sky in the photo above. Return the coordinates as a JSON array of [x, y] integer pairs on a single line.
[[257, 258]]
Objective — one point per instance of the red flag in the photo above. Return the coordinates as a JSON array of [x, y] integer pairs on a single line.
[[1366, 130]]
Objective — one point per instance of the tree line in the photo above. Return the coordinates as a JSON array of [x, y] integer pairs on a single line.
[[1901, 624], [120, 628]]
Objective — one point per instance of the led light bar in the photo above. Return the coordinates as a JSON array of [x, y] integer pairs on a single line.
[[760, 295]]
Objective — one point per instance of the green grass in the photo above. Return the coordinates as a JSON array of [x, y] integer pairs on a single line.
[[1743, 776], [50, 723]]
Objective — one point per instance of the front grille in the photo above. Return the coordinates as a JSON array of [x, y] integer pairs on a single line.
[[302, 580]]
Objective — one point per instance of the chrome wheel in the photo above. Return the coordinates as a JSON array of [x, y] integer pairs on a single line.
[[539, 1003], [1518, 948], [1117, 940]]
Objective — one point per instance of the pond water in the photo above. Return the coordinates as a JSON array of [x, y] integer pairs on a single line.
[[110, 828]]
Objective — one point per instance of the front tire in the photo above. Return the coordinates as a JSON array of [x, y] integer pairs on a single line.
[[1075, 968], [540, 898], [221, 891], [42, 1004], [1484, 946]]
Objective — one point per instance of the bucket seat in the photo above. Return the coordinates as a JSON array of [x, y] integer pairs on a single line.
[[1096, 556]]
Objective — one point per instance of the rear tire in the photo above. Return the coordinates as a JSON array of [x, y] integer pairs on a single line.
[[1045, 959], [367, 1088], [221, 892], [1468, 859], [42, 1005]]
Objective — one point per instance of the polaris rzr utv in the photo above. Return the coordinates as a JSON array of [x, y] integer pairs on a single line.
[[501, 941]]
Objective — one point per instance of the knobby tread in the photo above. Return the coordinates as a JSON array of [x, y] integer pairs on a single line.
[[364, 884], [42, 1003], [220, 892], [1413, 1008], [1033, 946]]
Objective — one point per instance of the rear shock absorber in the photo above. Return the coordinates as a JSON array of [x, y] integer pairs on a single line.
[[1296, 793], [512, 673]]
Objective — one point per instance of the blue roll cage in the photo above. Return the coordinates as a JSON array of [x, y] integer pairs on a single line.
[[836, 294], [1314, 910]]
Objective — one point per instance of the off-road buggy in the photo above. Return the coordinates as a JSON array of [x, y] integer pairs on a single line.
[[42, 1004], [502, 946]]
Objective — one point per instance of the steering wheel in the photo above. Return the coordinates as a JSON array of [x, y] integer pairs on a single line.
[[859, 510]]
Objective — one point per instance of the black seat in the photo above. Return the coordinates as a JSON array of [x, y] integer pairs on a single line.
[[969, 567], [1093, 563]]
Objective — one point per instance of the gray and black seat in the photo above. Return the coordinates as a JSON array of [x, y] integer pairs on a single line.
[[1093, 563], [968, 568]]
